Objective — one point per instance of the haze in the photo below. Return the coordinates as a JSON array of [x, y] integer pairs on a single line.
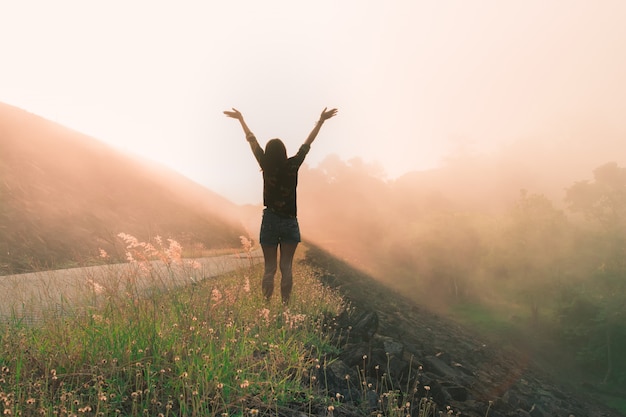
[[414, 81]]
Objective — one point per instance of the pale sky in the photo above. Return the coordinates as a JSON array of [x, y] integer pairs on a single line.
[[413, 80]]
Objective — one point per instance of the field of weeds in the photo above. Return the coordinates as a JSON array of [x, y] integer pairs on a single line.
[[212, 347]]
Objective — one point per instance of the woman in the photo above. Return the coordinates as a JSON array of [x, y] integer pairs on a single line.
[[279, 226]]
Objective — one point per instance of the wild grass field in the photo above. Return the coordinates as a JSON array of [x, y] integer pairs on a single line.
[[213, 347], [209, 348]]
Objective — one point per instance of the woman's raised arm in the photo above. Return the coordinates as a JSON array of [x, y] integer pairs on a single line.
[[326, 114], [236, 114]]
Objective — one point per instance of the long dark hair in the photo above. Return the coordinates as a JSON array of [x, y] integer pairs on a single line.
[[275, 155]]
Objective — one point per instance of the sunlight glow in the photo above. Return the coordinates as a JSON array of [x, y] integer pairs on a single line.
[[414, 81]]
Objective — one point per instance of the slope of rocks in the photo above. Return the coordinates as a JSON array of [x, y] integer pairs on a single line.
[[387, 340]]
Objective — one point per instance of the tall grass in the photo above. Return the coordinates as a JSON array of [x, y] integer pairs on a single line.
[[211, 347], [162, 339]]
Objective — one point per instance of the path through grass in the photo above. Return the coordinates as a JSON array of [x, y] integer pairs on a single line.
[[213, 347]]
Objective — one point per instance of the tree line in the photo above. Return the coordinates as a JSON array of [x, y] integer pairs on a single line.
[[562, 262]]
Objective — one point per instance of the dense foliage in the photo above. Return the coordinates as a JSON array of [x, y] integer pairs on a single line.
[[556, 264]]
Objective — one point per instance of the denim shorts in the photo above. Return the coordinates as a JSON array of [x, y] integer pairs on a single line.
[[276, 229]]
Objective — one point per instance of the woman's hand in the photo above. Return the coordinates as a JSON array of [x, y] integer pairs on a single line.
[[327, 114], [235, 114]]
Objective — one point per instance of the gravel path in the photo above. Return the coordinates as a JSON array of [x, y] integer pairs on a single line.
[[30, 297]]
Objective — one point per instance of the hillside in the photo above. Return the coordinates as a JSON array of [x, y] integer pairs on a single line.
[[519, 252], [65, 195], [386, 333]]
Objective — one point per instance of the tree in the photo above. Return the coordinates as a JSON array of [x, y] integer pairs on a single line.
[[444, 250], [603, 202], [533, 248]]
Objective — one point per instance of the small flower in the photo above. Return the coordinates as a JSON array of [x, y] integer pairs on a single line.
[[265, 315], [246, 243], [216, 295]]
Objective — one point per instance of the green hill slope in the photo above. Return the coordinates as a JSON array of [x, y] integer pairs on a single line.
[[65, 195]]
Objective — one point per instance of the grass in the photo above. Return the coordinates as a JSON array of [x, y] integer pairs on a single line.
[[481, 318], [515, 331], [212, 347], [617, 403]]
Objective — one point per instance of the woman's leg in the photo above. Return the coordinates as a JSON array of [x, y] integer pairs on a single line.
[[270, 253], [287, 251]]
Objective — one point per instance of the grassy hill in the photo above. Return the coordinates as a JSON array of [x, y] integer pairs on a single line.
[[346, 346], [65, 195], [215, 347]]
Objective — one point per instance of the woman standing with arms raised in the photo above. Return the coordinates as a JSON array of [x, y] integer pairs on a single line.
[[279, 226]]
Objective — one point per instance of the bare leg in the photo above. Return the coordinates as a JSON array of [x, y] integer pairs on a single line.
[[287, 251], [270, 253]]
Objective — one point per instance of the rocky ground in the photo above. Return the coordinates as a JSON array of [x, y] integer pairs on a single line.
[[389, 344]]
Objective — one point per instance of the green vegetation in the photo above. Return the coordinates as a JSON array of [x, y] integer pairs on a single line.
[[484, 320], [212, 347], [209, 348], [527, 266], [543, 269]]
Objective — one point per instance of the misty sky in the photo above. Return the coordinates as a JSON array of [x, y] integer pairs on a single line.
[[413, 80]]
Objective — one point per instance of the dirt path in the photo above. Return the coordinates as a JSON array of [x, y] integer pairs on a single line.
[[31, 296]]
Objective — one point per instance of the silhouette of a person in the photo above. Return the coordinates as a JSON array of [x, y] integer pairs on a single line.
[[279, 225]]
